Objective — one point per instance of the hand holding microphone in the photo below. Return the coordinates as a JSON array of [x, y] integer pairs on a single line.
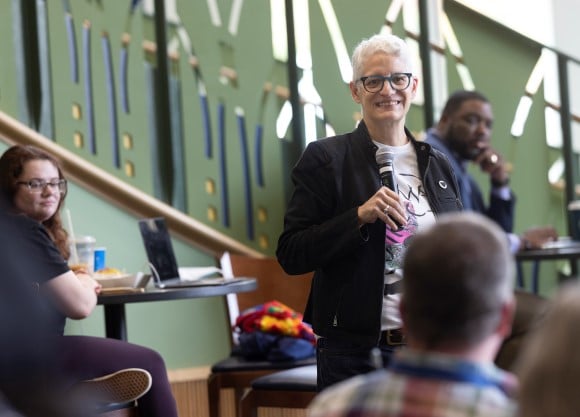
[[384, 160], [384, 205]]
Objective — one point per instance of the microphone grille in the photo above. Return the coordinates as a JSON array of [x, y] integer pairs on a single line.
[[383, 156]]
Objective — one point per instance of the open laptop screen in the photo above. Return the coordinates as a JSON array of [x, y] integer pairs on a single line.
[[159, 248]]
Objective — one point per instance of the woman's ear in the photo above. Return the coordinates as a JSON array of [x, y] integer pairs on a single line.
[[414, 86], [354, 92]]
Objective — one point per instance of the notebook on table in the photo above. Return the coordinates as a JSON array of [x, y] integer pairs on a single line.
[[163, 264]]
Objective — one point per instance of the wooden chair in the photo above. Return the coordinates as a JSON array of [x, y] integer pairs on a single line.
[[273, 284]]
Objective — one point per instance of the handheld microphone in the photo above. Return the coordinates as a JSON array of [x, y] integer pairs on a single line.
[[384, 160]]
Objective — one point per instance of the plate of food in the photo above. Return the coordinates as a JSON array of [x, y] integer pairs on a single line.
[[115, 278]]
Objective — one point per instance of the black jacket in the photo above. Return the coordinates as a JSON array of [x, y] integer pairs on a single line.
[[332, 179]]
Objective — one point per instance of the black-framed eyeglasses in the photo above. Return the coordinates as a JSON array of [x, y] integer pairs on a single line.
[[398, 81], [38, 186]]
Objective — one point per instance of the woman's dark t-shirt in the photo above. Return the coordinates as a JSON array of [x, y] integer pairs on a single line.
[[30, 259]]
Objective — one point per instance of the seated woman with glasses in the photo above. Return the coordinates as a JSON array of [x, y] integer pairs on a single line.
[[32, 184]]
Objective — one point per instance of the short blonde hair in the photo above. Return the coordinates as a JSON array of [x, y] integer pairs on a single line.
[[388, 44]]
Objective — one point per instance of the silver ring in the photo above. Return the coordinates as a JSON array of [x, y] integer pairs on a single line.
[[386, 210]]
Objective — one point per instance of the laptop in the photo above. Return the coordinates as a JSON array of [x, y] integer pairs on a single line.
[[163, 265]]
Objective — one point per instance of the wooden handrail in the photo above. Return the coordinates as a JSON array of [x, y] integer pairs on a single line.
[[123, 195]]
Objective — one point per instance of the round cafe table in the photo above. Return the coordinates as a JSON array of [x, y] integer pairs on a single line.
[[569, 252], [114, 302]]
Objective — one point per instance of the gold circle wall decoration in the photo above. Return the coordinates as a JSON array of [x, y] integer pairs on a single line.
[[77, 113], [210, 186], [129, 169], [212, 214], [78, 140], [127, 141]]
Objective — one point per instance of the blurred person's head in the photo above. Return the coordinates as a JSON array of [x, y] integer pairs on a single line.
[[383, 99], [33, 184], [458, 285], [466, 123], [549, 365]]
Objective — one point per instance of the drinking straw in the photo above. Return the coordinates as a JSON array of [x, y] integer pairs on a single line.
[[74, 254]]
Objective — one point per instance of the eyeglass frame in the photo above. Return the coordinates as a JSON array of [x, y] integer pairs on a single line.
[[389, 78], [60, 185]]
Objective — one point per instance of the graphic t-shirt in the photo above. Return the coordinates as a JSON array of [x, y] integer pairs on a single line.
[[409, 187]]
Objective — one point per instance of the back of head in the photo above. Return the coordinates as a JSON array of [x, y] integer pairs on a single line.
[[457, 277], [457, 98], [387, 44], [549, 367]]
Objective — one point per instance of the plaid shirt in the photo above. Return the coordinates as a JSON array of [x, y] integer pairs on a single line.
[[423, 387]]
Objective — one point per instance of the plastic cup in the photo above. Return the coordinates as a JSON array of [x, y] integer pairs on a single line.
[[100, 258], [85, 253]]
